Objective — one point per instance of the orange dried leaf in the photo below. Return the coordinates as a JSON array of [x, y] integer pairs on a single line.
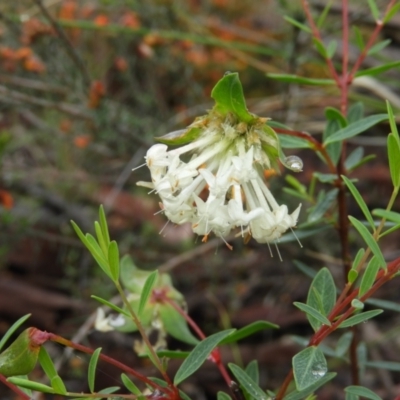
[[101, 20], [6, 200], [82, 141], [97, 92]]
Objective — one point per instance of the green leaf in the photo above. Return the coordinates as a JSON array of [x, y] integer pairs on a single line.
[[325, 178], [131, 386], [229, 98], [394, 159], [357, 319], [357, 304], [369, 276], [180, 137], [343, 344], [321, 296], [175, 324], [355, 128], [331, 49], [334, 149], [322, 17], [312, 312], [223, 396], [320, 48], [389, 365], [358, 37], [173, 353], [387, 305], [293, 142], [392, 12], [97, 254], [147, 290], [392, 122], [324, 202], [12, 329], [21, 356], [111, 305], [25, 383], [378, 47], [248, 330], [302, 394], [47, 363], [113, 260], [309, 366], [301, 80], [378, 70], [252, 371], [362, 391], [297, 24], [58, 385], [352, 276], [356, 112], [354, 158], [100, 238], [333, 114], [247, 383], [92, 368], [199, 354], [388, 215], [360, 201], [104, 226], [358, 258], [374, 9], [369, 239]]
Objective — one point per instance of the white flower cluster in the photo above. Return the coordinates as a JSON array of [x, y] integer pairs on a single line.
[[220, 185]]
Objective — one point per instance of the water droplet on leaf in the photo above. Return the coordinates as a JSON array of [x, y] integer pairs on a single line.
[[294, 163], [319, 370]]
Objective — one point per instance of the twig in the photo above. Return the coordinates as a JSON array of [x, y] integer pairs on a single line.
[[67, 44]]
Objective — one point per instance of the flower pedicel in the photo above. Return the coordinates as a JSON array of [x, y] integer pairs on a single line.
[[215, 180]]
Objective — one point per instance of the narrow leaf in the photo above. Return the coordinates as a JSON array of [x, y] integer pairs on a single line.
[[113, 260], [308, 367], [356, 112], [131, 386], [359, 38], [392, 12], [374, 9], [358, 258], [369, 276], [297, 24], [369, 239], [97, 254], [394, 159], [293, 142], [356, 128], [323, 204], [386, 304], [352, 276], [12, 329], [362, 391], [47, 363], [388, 215], [25, 383], [378, 47], [302, 394], [199, 354], [389, 365], [357, 319], [100, 238], [320, 48], [378, 70], [104, 226], [58, 385], [360, 201], [248, 330], [248, 384], [331, 49], [147, 290], [301, 80], [343, 344], [223, 396], [111, 305], [252, 371], [92, 368], [313, 313], [392, 122]]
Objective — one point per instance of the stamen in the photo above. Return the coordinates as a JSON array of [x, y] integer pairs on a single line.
[[277, 249], [270, 251], [140, 166], [165, 225], [298, 240]]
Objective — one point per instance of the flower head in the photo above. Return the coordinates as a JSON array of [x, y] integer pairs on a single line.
[[215, 180]]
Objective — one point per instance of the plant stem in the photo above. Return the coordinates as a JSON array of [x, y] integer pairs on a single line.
[[143, 333]]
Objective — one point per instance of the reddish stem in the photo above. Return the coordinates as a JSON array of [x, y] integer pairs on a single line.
[[112, 361], [21, 395], [215, 356]]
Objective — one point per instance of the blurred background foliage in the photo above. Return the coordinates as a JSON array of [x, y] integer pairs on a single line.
[[86, 85]]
